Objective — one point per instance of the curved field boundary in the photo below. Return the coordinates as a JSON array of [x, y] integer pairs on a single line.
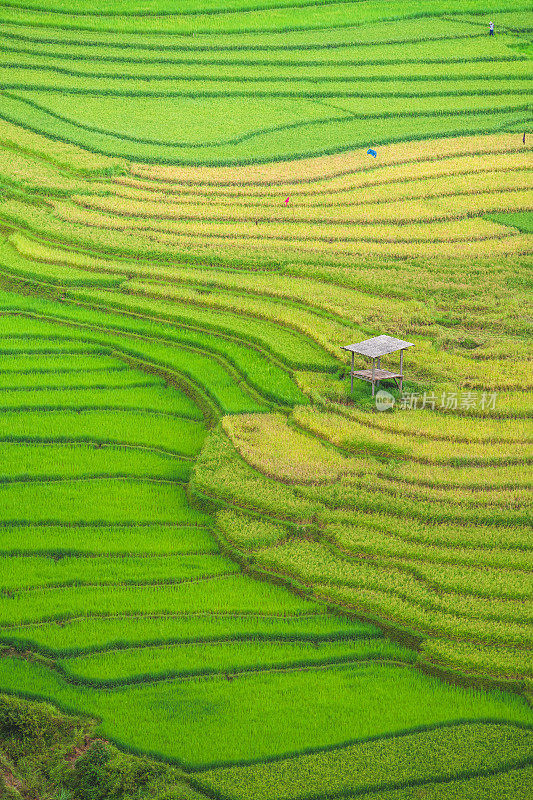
[[407, 549], [393, 786], [362, 603], [172, 615], [103, 441], [456, 123], [123, 476], [352, 595], [199, 48], [325, 168], [26, 406], [161, 11], [397, 561], [266, 561], [137, 360], [163, 246], [81, 386], [117, 306], [143, 191], [23, 644], [382, 737], [124, 583], [235, 673], [299, 422], [404, 53], [250, 283], [316, 298], [518, 200], [206, 23], [512, 499], [256, 392], [322, 281], [280, 233], [270, 90], [345, 116]]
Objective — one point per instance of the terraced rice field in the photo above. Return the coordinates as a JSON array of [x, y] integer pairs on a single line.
[[208, 544]]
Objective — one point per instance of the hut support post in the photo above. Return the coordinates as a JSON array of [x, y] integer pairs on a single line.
[[351, 372], [373, 367], [401, 370]]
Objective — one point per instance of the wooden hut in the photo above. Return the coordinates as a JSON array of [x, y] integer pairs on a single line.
[[375, 348]]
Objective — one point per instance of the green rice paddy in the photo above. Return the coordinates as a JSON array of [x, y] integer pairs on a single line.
[[522, 221], [210, 547], [248, 82]]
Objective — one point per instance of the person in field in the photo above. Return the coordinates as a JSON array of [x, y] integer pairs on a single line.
[[491, 28]]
